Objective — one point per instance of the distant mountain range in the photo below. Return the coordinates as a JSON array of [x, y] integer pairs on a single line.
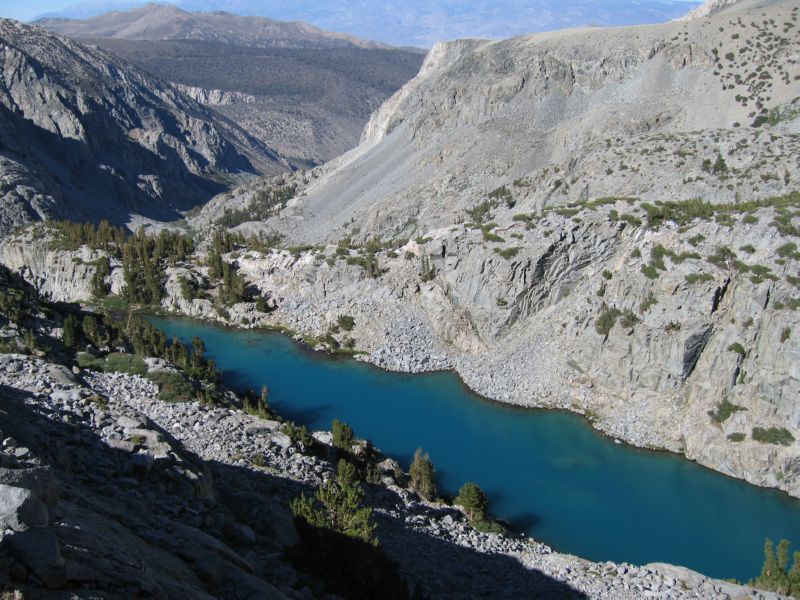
[[164, 22], [422, 23]]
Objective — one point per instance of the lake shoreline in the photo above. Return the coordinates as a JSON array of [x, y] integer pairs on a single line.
[[257, 357]]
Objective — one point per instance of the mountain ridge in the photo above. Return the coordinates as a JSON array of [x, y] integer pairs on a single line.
[[167, 22]]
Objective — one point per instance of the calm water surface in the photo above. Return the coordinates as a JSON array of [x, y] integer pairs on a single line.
[[549, 473]]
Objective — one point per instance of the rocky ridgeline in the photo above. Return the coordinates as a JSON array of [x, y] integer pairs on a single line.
[[109, 492]]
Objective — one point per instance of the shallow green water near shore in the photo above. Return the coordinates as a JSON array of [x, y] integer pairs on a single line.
[[549, 473]]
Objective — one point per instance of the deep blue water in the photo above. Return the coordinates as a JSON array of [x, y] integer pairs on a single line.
[[548, 473]]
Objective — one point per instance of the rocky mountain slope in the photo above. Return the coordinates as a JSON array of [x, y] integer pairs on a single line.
[[575, 115], [310, 104], [86, 135], [305, 92], [165, 22], [604, 220]]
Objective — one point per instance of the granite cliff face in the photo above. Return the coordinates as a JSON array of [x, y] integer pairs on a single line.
[[86, 136]]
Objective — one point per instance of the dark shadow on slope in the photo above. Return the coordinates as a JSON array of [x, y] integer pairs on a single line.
[[127, 525], [101, 178]]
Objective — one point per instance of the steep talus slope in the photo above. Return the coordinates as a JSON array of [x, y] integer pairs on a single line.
[[85, 135], [576, 114], [605, 221]]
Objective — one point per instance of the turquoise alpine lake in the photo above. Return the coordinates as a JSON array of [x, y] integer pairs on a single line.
[[546, 472]]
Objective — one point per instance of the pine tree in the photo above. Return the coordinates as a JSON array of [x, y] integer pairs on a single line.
[[91, 330], [423, 475], [474, 501], [337, 506], [71, 330], [343, 436]]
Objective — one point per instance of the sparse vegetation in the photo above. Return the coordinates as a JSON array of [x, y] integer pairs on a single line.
[[773, 435], [737, 348], [724, 410], [607, 320], [648, 302]]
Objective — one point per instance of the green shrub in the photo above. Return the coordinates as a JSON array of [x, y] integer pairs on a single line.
[[696, 239], [722, 257], [346, 322], [788, 250], [736, 437], [748, 248], [258, 406], [738, 348], [427, 269], [87, 361], [607, 320], [724, 410], [121, 362], [632, 220], [693, 278], [343, 437], [773, 435], [629, 319], [648, 301], [298, 434], [486, 526], [488, 236], [650, 271], [786, 334], [422, 475], [71, 336], [509, 253], [337, 506], [480, 212], [172, 387], [776, 576], [607, 275], [473, 500]]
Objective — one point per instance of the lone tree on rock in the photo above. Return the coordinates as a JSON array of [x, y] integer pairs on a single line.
[[472, 498], [423, 475]]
